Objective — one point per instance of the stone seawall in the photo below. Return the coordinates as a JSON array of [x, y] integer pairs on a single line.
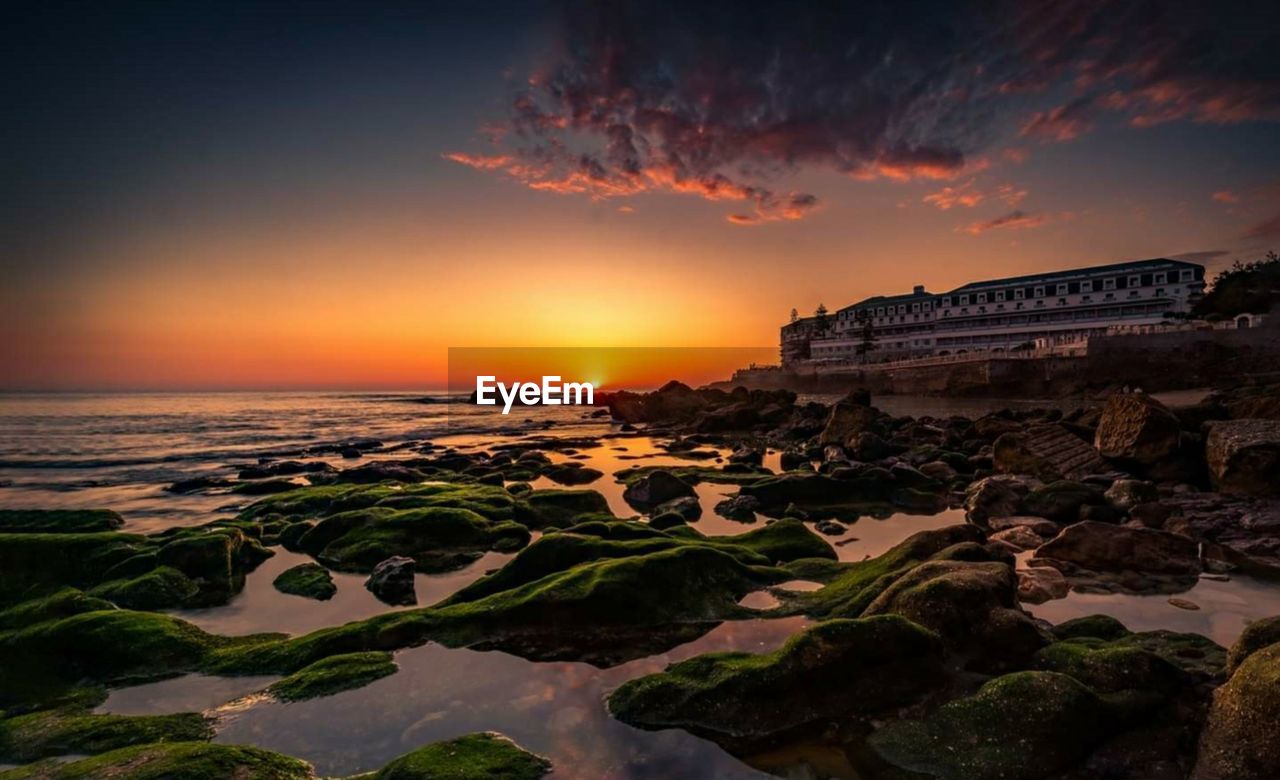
[[1155, 362]]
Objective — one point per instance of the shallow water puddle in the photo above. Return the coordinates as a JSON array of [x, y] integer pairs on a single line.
[[1225, 608], [188, 693], [556, 709], [262, 608]]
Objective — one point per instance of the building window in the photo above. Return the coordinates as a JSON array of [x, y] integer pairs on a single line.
[[1186, 275], [1160, 279], [1000, 295], [1111, 296], [1086, 298], [1135, 281], [1017, 294], [1108, 284], [1039, 292], [1160, 292], [915, 307], [1020, 305], [964, 300], [1062, 289], [902, 308], [1086, 287], [927, 306]]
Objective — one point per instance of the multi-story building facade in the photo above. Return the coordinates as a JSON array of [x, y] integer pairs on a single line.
[[1000, 314]]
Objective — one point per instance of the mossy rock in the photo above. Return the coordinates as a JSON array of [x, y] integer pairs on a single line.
[[1113, 667], [308, 503], [1239, 740], [40, 661], [35, 564], [1256, 636], [59, 604], [848, 594], [694, 474], [334, 674], [291, 533], [1021, 726], [161, 588], [58, 521], [559, 508], [437, 538], [485, 756], [838, 669], [1096, 626], [62, 732], [558, 552], [309, 580], [172, 761]]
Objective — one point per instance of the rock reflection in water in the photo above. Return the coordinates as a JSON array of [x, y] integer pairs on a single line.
[[261, 608], [1225, 608], [555, 709]]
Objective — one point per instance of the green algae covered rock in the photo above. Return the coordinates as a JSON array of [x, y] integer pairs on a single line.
[[1256, 636], [161, 588], [486, 756], [559, 508], [1022, 726], [172, 761], [59, 604], [61, 732], [836, 669], [39, 662], [848, 594], [437, 538], [1239, 741], [558, 552], [334, 674], [58, 520], [1112, 667], [309, 580], [35, 564], [1096, 626]]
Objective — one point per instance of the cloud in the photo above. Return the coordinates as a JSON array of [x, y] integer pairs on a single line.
[[1010, 194], [950, 197], [1063, 123], [1268, 228], [1226, 196], [722, 101], [1014, 220], [1202, 256]]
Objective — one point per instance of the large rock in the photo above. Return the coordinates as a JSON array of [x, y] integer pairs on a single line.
[[1240, 740], [836, 669], [1125, 494], [1049, 452], [1137, 429], [656, 487], [1106, 547], [1040, 584], [392, 581], [1244, 456], [999, 496], [846, 421], [1061, 501], [1023, 726]]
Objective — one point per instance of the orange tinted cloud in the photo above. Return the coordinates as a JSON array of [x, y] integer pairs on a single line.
[[1226, 196], [950, 197], [1014, 220], [1059, 124]]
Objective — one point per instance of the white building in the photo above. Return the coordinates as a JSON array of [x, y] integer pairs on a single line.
[[1003, 314]]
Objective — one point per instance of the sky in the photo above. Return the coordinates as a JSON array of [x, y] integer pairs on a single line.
[[285, 195]]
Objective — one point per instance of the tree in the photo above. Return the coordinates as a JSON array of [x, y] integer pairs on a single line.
[[1244, 288], [867, 344], [795, 315], [820, 318]]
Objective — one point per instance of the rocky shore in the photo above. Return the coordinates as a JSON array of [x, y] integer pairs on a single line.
[[921, 662]]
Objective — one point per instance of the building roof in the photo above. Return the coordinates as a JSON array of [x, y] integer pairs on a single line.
[[877, 300], [1134, 265]]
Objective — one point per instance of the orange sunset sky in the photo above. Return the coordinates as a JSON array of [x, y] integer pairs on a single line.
[[213, 199]]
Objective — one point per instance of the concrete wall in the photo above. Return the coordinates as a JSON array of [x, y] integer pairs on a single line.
[[1154, 362]]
